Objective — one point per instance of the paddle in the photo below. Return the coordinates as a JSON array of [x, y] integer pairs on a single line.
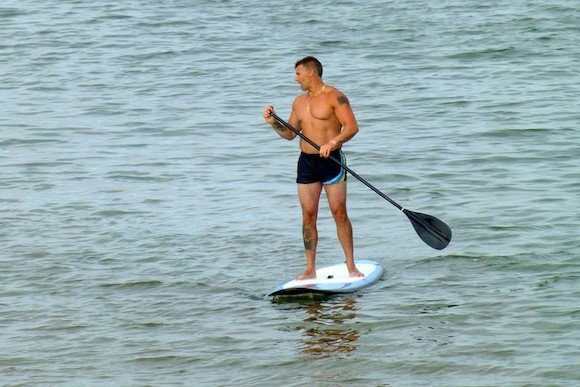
[[431, 230]]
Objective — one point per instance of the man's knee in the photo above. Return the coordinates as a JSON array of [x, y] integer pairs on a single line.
[[339, 214], [309, 217]]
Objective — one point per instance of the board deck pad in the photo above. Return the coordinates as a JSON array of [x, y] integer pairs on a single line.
[[333, 280]]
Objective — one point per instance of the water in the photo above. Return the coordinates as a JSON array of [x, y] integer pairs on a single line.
[[146, 208]]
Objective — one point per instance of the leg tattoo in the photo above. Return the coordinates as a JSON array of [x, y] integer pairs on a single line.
[[309, 238]]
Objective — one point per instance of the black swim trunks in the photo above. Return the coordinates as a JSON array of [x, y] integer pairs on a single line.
[[312, 168]]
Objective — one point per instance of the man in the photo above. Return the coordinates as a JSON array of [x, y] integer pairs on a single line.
[[324, 115]]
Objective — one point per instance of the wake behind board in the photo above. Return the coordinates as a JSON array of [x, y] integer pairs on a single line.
[[332, 280]]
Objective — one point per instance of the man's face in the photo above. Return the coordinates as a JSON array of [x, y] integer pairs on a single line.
[[303, 77]]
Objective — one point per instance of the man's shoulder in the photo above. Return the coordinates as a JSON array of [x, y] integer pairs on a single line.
[[337, 97], [334, 91], [299, 99]]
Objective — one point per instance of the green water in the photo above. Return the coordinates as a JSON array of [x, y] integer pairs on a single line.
[[146, 208]]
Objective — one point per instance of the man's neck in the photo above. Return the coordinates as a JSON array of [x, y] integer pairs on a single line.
[[316, 88]]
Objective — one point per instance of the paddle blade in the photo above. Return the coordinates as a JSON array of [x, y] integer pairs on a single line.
[[431, 230]]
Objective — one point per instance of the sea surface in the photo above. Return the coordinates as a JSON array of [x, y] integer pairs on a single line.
[[146, 209]]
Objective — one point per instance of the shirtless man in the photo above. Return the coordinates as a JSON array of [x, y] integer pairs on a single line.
[[324, 115]]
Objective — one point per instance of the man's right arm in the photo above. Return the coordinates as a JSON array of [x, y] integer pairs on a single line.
[[278, 127]]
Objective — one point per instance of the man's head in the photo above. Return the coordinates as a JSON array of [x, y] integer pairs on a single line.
[[310, 63]]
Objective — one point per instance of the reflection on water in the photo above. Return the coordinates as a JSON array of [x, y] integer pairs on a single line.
[[326, 328]]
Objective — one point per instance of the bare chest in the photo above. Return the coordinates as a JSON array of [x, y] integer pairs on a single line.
[[315, 109]]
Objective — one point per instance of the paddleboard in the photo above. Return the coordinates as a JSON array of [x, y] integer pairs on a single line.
[[333, 280]]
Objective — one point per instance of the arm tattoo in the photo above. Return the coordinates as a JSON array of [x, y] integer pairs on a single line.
[[279, 127], [342, 100]]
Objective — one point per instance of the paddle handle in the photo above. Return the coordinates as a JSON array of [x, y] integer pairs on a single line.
[[353, 173]]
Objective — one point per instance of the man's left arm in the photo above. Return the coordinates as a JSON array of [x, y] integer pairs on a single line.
[[346, 117]]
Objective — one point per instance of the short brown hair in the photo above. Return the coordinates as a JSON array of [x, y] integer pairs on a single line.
[[310, 63]]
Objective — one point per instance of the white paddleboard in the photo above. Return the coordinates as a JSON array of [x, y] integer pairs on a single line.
[[333, 280]]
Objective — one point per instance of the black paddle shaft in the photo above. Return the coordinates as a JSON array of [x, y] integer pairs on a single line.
[[287, 125], [431, 230]]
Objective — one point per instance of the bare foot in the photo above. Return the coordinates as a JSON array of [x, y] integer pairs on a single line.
[[308, 274], [355, 273]]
